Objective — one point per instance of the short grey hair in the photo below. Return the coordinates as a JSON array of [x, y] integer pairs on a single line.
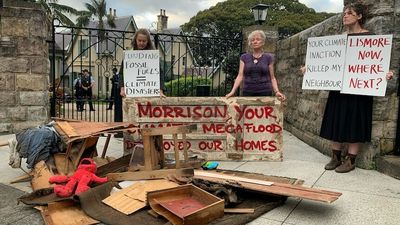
[[254, 33]]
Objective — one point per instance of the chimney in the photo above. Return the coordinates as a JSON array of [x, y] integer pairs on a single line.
[[162, 21], [110, 12]]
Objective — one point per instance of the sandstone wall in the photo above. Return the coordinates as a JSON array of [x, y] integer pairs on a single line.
[[304, 108], [24, 66]]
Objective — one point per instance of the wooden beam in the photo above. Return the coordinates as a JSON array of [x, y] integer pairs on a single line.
[[275, 188], [229, 177], [150, 175], [239, 210]]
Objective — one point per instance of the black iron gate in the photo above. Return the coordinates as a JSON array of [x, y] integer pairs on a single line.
[[190, 66]]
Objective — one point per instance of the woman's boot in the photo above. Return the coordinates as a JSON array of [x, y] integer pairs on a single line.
[[335, 160], [347, 165]]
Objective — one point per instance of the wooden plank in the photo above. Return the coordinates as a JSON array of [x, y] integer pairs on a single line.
[[67, 128], [148, 162], [67, 213], [169, 130], [176, 150], [103, 154], [278, 188], [239, 210], [40, 176], [63, 164], [134, 197], [149, 175], [114, 166], [229, 177], [22, 178], [3, 143]]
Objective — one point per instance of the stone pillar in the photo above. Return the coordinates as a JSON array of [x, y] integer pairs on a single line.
[[24, 67]]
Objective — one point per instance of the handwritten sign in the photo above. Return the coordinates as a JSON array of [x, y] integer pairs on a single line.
[[367, 62], [142, 73], [249, 128], [325, 63]]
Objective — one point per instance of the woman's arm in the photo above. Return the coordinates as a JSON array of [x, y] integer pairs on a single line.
[[274, 82], [238, 80]]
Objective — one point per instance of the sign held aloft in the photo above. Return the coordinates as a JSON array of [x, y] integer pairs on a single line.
[[142, 73]]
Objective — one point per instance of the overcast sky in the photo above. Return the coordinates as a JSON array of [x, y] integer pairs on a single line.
[[180, 11]]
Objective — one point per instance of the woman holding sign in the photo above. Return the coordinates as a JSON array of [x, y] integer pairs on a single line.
[[256, 70], [348, 117], [141, 41]]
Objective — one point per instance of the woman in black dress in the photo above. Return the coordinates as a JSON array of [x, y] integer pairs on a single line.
[[347, 117]]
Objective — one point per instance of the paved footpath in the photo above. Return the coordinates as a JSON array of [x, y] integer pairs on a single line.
[[369, 197]]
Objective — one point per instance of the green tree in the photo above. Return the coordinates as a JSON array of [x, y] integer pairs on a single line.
[[98, 9], [230, 17], [59, 11]]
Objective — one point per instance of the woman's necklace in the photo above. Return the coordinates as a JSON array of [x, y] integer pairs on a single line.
[[257, 57]]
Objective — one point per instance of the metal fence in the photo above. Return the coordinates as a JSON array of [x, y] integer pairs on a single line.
[[189, 66]]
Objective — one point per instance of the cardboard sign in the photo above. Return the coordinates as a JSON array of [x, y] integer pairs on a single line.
[[367, 62], [142, 73], [325, 63]]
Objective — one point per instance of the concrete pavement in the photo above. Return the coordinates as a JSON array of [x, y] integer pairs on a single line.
[[369, 197]]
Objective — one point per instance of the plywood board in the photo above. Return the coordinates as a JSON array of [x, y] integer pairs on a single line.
[[40, 176], [65, 213], [134, 197], [275, 188], [149, 175]]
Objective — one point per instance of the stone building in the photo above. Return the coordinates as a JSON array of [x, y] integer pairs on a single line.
[[304, 108], [24, 66]]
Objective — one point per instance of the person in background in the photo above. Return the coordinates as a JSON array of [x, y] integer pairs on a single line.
[[114, 88], [78, 92], [141, 41], [87, 82], [256, 70], [348, 117]]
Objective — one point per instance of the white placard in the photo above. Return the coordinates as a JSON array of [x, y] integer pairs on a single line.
[[325, 62], [142, 73], [367, 62]]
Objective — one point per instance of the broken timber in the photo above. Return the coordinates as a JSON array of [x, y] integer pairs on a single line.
[[149, 175], [275, 187]]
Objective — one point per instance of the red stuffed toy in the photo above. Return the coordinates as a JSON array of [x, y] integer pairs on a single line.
[[83, 176]]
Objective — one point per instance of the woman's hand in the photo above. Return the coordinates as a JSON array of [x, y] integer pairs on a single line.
[[162, 95], [230, 94], [389, 75], [280, 96], [302, 70], [122, 92]]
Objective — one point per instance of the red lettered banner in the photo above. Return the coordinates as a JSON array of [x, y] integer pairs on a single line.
[[249, 127]]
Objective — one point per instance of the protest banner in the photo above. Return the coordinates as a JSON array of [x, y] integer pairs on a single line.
[[142, 73], [367, 62], [244, 128], [325, 63]]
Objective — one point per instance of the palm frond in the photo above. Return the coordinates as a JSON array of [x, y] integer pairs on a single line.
[[65, 20], [63, 8]]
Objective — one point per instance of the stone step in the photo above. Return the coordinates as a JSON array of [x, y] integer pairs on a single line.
[[389, 165]]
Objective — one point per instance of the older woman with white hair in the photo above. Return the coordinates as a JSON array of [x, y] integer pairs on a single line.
[[256, 70]]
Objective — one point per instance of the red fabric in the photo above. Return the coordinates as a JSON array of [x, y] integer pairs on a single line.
[[79, 181]]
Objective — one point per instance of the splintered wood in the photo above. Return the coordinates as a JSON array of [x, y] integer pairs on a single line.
[[270, 187], [72, 130], [134, 197]]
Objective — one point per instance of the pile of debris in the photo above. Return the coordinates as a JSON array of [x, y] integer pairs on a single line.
[[145, 187]]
